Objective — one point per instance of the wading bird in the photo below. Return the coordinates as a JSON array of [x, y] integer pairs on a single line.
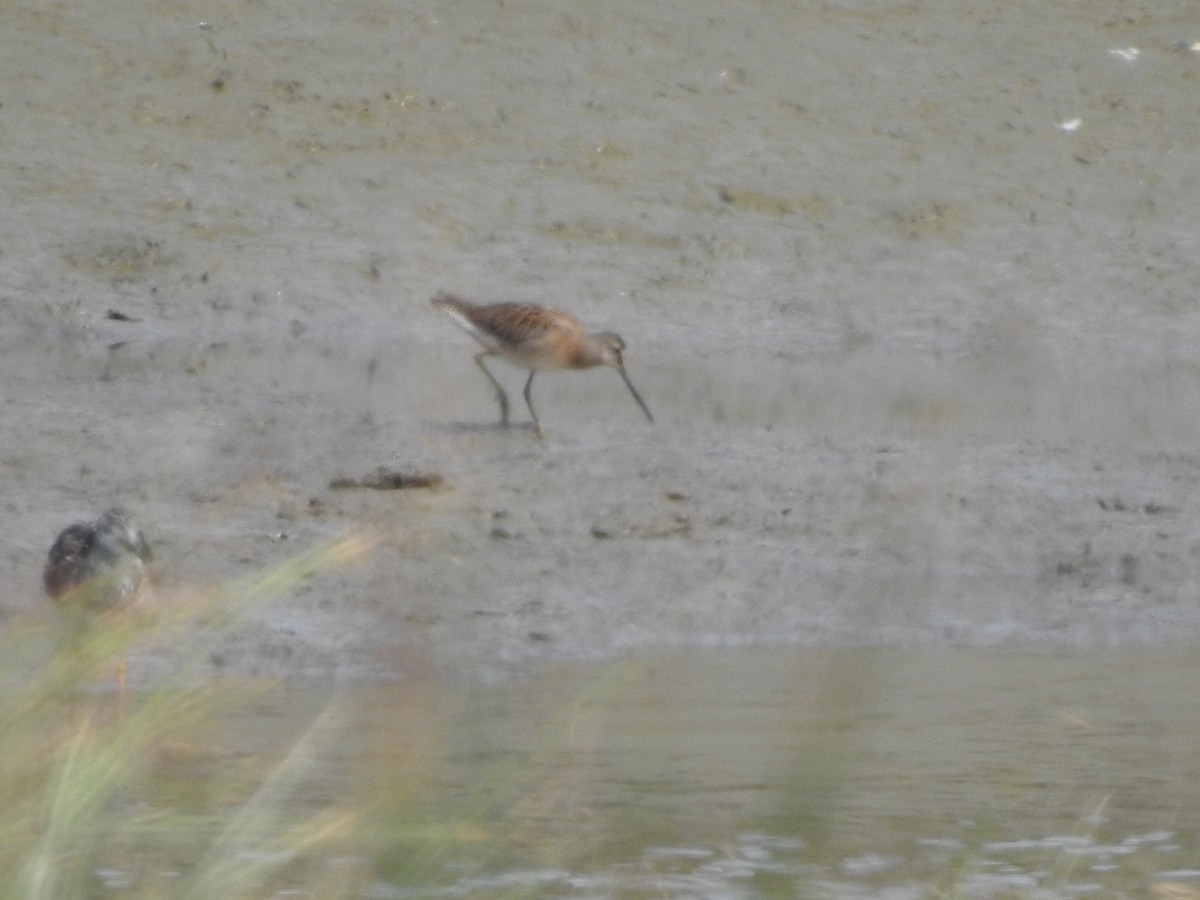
[[100, 566], [538, 339]]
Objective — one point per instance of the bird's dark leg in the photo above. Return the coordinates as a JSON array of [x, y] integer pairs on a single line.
[[537, 425], [500, 395]]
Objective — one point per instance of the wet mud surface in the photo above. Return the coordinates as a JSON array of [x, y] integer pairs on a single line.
[[920, 348]]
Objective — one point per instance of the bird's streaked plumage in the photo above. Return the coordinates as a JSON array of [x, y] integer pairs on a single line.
[[538, 339]]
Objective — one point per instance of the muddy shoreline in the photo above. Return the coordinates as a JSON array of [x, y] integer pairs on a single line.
[[922, 360]]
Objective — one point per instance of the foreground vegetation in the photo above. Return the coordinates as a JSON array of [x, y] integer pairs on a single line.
[[81, 766]]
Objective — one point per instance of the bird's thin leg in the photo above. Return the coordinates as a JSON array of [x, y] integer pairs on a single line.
[[500, 395], [537, 425]]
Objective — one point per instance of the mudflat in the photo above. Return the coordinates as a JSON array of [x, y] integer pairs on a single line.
[[911, 293]]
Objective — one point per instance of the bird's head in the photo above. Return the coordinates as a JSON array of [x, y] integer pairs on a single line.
[[611, 349]]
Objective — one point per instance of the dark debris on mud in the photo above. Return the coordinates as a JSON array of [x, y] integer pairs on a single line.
[[383, 479]]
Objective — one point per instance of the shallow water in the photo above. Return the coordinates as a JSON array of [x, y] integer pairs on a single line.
[[871, 773]]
